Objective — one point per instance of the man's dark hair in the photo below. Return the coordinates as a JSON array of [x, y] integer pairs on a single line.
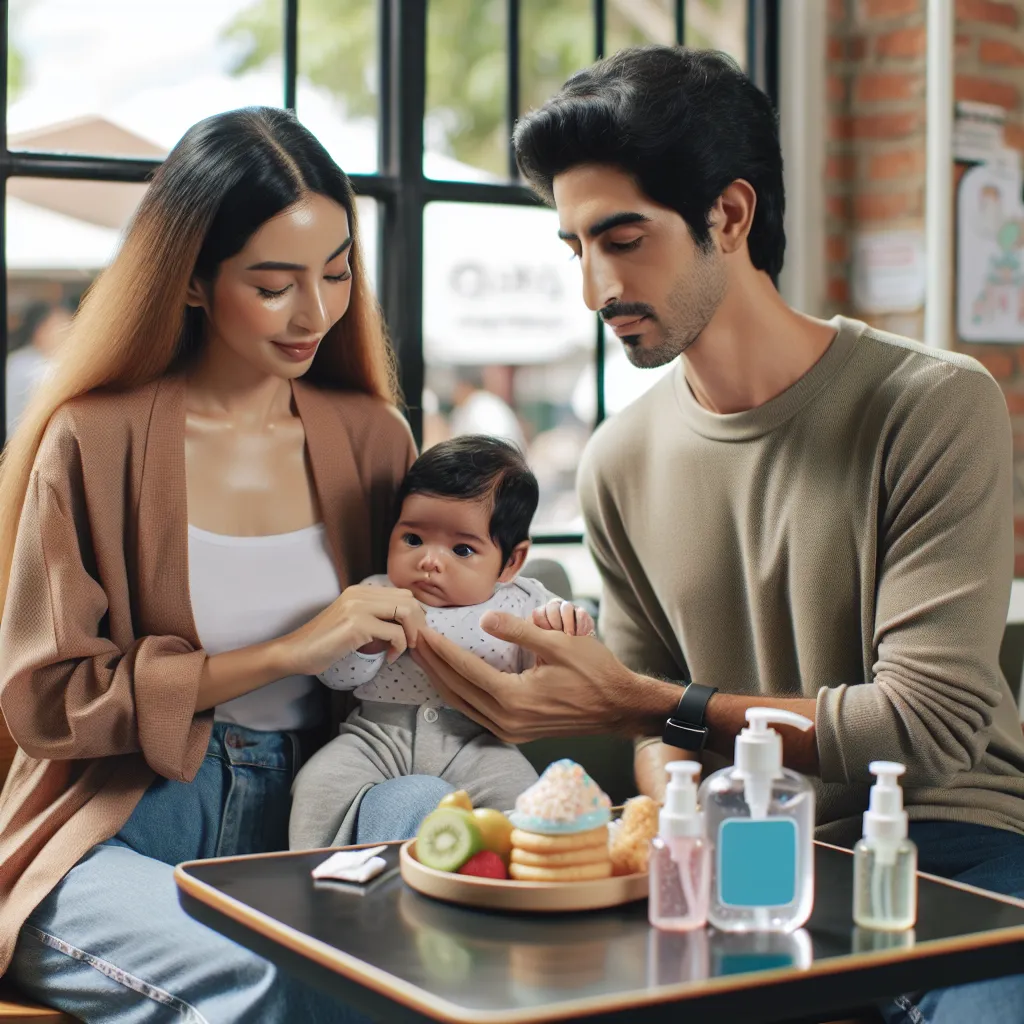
[[684, 123], [475, 466]]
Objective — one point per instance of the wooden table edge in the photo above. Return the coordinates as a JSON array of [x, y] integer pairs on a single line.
[[437, 1007]]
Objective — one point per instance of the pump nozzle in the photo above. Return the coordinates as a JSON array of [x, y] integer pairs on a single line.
[[759, 754], [679, 815], [885, 819], [758, 748], [759, 719]]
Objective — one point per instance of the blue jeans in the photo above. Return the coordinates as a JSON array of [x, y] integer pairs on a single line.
[[989, 858], [111, 943]]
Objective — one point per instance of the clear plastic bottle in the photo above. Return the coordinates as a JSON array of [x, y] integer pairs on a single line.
[[679, 861], [760, 819], [885, 860]]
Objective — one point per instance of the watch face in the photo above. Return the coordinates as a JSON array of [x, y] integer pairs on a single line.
[[688, 737]]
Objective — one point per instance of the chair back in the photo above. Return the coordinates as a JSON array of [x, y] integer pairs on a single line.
[[552, 574]]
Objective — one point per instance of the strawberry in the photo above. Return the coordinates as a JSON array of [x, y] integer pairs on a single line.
[[485, 864]]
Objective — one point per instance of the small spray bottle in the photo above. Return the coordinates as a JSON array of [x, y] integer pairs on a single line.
[[885, 860], [679, 861]]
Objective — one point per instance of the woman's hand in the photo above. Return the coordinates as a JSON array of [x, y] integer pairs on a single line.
[[360, 616], [565, 617], [578, 687]]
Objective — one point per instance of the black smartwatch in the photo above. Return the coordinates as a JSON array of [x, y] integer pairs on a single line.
[[686, 727]]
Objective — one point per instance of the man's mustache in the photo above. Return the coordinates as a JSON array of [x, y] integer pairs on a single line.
[[616, 309]]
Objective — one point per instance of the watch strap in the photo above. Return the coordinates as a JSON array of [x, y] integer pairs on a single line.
[[686, 727]]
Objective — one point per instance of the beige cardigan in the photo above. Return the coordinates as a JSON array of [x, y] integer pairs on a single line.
[[99, 658]]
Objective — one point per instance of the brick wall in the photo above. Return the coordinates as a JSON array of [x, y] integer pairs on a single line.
[[876, 142], [876, 147]]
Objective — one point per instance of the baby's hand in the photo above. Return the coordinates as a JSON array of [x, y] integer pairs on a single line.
[[565, 617]]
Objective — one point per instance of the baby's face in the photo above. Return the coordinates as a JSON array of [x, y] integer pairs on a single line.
[[442, 551]]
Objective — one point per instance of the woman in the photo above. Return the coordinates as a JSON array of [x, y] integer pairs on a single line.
[[182, 516]]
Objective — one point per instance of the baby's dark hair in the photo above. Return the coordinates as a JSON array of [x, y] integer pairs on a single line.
[[475, 466]]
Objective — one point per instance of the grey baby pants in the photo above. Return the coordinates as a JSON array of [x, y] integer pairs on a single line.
[[385, 741]]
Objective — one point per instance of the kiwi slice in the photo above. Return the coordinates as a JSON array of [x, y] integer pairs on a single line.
[[447, 838]]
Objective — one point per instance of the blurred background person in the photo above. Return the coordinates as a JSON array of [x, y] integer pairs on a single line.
[[36, 341], [479, 407]]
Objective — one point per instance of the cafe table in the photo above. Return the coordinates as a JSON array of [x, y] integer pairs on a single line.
[[399, 956]]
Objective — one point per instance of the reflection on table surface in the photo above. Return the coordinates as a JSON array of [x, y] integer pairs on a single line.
[[489, 960]]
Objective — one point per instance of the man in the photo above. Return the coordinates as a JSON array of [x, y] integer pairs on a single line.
[[803, 514]]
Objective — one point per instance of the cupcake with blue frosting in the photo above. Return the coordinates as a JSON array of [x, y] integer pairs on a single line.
[[564, 799], [561, 828]]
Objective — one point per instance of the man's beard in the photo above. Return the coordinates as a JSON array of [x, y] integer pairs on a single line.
[[689, 309]]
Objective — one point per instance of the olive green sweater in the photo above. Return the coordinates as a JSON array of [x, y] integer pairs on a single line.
[[852, 541]]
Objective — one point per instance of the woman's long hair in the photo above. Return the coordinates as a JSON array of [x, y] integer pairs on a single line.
[[228, 175]]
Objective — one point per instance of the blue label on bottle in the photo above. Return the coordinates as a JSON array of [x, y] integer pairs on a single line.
[[757, 862]]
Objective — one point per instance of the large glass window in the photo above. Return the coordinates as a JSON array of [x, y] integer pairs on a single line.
[[415, 99]]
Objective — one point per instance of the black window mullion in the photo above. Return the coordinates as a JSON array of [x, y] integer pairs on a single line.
[[770, 51], [291, 52], [763, 46], [384, 110], [402, 237], [599, 408], [385, 106], [82, 166], [512, 83], [680, 22], [477, 192]]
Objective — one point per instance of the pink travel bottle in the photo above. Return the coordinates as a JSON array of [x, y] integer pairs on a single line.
[[679, 862]]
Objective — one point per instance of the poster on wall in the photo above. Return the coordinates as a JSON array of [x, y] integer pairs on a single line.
[[889, 271], [990, 254]]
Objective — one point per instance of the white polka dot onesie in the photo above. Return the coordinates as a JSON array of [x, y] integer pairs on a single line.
[[404, 682]]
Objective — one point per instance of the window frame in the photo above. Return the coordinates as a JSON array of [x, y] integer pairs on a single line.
[[400, 187]]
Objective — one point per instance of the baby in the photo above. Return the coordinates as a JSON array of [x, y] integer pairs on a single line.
[[464, 513]]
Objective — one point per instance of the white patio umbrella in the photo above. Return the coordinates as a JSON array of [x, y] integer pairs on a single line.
[[41, 242]]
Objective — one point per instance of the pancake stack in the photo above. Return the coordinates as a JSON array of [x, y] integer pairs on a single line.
[[578, 857], [561, 832]]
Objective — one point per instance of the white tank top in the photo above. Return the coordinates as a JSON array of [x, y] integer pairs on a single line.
[[247, 590]]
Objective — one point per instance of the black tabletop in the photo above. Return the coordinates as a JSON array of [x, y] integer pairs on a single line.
[[401, 956]]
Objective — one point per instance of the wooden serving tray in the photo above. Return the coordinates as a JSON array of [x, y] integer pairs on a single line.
[[502, 894]]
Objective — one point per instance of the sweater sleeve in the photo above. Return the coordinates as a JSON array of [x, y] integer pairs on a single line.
[[631, 622], [67, 691], [945, 561]]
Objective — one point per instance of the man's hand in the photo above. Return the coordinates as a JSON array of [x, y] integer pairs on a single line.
[[580, 688]]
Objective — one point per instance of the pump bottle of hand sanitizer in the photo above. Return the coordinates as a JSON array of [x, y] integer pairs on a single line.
[[760, 820], [885, 860], [679, 859]]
